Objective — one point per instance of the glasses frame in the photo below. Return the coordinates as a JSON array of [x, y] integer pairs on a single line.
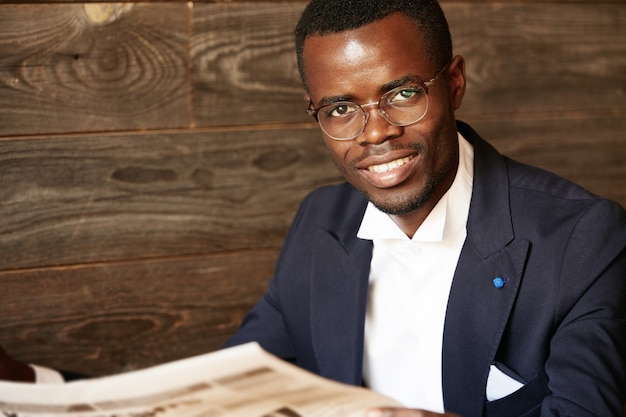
[[313, 111]]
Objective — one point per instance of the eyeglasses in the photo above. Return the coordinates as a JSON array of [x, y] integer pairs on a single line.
[[402, 106]]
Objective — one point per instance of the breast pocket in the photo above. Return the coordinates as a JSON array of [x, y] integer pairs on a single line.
[[523, 402], [502, 382]]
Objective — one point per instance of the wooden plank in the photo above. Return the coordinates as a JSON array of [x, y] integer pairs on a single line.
[[565, 60], [245, 66], [522, 60], [590, 152], [93, 67], [67, 200], [108, 318]]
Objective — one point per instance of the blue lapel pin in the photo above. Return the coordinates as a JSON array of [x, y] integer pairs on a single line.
[[499, 282]]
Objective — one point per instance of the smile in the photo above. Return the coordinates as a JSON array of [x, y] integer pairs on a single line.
[[390, 165]]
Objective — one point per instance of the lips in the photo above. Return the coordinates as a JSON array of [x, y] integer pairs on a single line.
[[392, 173], [389, 165]]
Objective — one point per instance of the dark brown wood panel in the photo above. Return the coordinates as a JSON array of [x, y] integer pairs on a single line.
[[538, 60], [75, 73], [557, 61], [67, 200], [244, 64], [107, 318], [93, 67]]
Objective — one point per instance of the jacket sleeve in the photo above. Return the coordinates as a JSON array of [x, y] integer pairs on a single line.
[[586, 366]]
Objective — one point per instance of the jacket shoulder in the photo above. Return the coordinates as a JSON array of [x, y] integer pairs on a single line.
[[334, 206], [533, 179]]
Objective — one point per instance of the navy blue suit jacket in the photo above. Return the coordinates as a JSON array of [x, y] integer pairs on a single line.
[[558, 322]]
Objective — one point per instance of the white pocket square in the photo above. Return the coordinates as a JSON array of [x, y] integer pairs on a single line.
[[499, 384]]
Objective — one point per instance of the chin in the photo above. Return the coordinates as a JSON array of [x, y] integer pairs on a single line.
[[399, 208], [400, 203]]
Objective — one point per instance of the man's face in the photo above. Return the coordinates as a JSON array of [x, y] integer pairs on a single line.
[[400, 169]]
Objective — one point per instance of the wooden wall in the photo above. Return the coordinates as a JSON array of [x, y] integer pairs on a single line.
[[152, 155]]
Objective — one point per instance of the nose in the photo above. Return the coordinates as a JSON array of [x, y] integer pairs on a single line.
[[377, 127]]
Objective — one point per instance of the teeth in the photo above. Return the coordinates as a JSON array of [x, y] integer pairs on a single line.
[[389, 166]]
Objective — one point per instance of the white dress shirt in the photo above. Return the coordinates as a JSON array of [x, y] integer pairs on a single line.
[[410, 281]]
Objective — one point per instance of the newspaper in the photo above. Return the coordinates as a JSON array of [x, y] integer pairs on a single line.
[[243, 381]]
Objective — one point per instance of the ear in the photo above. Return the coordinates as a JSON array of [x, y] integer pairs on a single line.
[[456, 81]]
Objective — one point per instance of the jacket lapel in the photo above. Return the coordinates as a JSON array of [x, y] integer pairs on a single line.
[[339, 284], [478, 307], [476, 318]]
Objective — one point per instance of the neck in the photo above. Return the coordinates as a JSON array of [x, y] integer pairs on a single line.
[[410, 222]]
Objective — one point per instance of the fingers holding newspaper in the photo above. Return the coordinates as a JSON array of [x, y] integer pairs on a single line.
[[12, 370]]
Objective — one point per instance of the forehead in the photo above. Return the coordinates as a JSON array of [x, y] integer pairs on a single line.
[[358, 62]]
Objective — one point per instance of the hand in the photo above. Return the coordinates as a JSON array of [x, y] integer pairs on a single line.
[[12, 370], [404, 412]]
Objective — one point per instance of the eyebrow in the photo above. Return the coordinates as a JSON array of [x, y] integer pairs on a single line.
[[407, 79]]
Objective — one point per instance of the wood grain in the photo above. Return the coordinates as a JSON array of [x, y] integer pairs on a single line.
[[523, 61], [68, 200], [107, 318], [542, 61], [245, 69], [564, 60], [84, 68]]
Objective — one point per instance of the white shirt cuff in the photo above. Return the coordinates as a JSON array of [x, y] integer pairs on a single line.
[[47, 375]]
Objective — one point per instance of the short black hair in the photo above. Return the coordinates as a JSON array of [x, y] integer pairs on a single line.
[[323, 17]]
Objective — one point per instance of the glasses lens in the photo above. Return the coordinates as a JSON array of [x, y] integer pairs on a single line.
[[404, 105], [342, 121], [401, 106]]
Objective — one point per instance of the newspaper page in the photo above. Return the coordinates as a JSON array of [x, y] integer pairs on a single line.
[[243, 381]]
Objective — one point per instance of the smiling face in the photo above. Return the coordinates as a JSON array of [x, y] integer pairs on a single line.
[[404, 171]]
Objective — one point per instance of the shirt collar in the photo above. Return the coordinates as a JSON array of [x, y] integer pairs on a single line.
[[448, 217]]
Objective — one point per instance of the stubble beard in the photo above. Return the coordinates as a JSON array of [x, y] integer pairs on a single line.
[[403, 203]]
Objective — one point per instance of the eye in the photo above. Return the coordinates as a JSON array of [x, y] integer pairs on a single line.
[[340, 110], [406, 95]]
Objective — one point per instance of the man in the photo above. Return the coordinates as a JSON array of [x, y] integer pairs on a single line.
[[468, 283], [441, 274]]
